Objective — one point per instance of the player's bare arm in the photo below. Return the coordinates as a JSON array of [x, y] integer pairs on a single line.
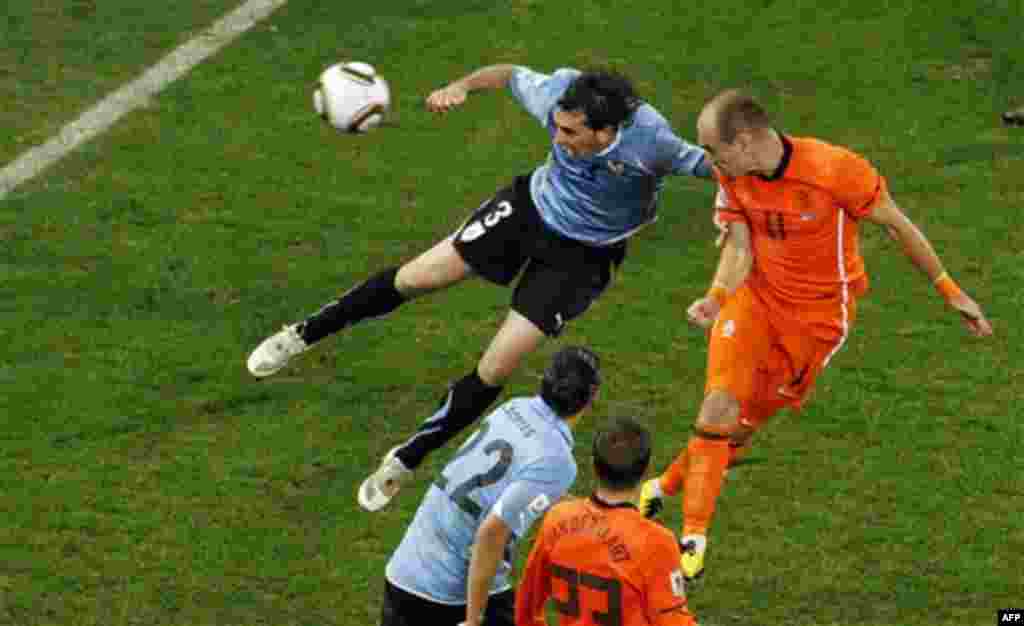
[[921, 253], [454, 94], [491, 539], [734, 266]]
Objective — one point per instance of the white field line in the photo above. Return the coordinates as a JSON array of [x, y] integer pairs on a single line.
[[136, 93]]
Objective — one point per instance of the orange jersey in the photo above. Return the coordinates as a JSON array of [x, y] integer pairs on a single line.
[[603, 564], [804, 223]]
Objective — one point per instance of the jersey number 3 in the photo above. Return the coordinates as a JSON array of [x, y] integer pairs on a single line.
[[460, 494]]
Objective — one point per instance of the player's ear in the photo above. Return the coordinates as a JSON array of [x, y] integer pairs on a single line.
[[744, 137]]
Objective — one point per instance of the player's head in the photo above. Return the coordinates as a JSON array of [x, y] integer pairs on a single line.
[[571, 380], [729, 127], [591, 110], [622, 452]]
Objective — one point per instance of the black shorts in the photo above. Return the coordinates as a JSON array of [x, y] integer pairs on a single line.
[[561, 277], [402, 608]]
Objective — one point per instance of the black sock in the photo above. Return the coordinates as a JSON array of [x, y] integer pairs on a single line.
[[373, 298], [464, 403]]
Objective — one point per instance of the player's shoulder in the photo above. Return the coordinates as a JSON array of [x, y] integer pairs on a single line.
[[567, 507], [647, 125], [817, 162], [567, 72], [563, 76], [656, 536], [646, 115], [820, 150], [528, 80]]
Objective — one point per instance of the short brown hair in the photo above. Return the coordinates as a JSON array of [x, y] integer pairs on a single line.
[[737, 111], [622, 451]]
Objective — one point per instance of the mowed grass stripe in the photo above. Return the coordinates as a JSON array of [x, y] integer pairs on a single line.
[[136, 93], [62, 56]]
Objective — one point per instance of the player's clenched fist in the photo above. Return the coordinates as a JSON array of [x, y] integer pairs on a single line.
[[703, 312], [446, 98], [974, 319]]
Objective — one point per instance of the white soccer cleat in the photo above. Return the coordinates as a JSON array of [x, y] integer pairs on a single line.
[[275, 351], [381, 486]]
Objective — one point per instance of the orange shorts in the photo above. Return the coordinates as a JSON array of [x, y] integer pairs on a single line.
[[768, 355]]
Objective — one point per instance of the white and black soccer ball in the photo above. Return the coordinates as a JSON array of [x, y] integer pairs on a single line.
[[352, 97]]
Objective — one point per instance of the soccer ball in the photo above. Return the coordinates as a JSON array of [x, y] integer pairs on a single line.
[[351, 97]]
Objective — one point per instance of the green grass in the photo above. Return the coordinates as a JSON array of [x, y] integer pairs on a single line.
[[146, 479]]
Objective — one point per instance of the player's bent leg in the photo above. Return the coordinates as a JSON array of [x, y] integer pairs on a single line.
[[516, 338], [670, 482], [739, 444], [464, 403], [708, 453], [439, 267], [468, 398], [375, 297]]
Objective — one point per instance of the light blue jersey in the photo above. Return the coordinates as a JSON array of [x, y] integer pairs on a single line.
[[516, 466], [606, 197]]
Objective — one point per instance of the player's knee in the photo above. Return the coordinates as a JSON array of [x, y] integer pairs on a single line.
[[494, 371], [719, 414], [414, 280], [498, 363], [435, 269]]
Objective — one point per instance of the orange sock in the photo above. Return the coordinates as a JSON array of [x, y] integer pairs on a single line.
[[704, 478], [737, 451], [672, 479]]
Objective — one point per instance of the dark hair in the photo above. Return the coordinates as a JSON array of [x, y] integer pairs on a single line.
[[605, 98], [737, 111], [622, 451], [571, 380]]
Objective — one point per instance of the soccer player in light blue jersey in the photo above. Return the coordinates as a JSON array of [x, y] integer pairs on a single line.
[[561, 229], [453, 564]]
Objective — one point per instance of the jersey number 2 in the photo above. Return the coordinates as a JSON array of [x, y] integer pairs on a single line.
[[461, 492], [571, 606]]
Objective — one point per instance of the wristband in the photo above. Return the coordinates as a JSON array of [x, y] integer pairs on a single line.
[[719, 293], [947, 286]]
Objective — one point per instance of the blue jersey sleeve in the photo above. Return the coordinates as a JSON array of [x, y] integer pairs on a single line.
[[676, 156], [538, 93], [533, 493]]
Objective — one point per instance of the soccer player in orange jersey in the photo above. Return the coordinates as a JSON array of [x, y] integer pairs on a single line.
[[785, 292], [600, 560]]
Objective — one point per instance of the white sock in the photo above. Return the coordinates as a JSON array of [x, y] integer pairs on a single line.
[[700, 541]]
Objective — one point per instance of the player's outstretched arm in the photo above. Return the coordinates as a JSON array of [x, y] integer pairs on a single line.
[[454, 94], [921, 253], [734, 265]]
